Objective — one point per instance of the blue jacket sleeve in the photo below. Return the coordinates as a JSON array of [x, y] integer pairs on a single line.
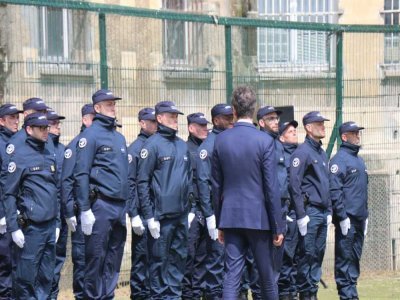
[[217, 183], [85, 153], [299, 162], [271, 188], [336, 180], [67, 182], [146, 166], [204, 181], [13, 178], [133, 197]]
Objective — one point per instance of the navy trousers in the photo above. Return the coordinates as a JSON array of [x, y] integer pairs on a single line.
[[167, 256], [34, 263], [61, 253], [250, 278], [104, 249], [312, 251], [348, 250], [139, 280], [237, 241], [205, 263], [5, 266], [78, 261]]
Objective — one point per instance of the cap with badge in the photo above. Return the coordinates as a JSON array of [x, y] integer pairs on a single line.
[[265, 110], [349, 127], [103, 95], [35, 104], [167, 106], [313, 116], [197, 118], [147, 113], [285, 125], [87, 109], [36, 119], [9, 109], [221, 109], [52, 115]]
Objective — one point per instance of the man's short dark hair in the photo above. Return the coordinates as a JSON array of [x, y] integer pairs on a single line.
[[244, 101]]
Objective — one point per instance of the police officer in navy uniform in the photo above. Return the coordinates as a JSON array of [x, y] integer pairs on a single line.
[[70, 206], [246, 197], [287, 278], [62, 232], [101, 176], [9, 120], [197, 127], [309, 183], [139, 280], [164, 185], [31, 189], [209, 268], [349, 194]]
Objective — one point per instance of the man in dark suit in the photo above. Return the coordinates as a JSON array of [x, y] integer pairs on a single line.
[[246, 197]]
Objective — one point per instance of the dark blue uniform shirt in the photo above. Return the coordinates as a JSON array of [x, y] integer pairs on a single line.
[[165, 176], [31, 184], [309, 177], [133, 157], [5, 135], [101, 163], [349, 183], [193, 144]]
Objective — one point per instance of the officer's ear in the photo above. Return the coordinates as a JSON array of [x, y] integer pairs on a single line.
[[97, 108], [343, 136], [159, 118], [29, 130], [261, 123]]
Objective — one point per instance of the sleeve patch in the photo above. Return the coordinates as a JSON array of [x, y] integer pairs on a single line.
[[296, 162], [82, 143], [10, 149], [68, 153], [12, 167], [144, 153], [129, 158]]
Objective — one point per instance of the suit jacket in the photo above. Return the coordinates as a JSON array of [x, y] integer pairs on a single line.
[[245, 187]]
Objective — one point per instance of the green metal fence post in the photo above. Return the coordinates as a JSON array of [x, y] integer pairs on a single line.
[[103, 51], [339, 93], [228, 63]]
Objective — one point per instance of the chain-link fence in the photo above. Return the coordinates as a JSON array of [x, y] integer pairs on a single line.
[[62, 51]]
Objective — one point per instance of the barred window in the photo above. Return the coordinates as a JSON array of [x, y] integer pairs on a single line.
[[282, 47], [391, 15], [54, 30]]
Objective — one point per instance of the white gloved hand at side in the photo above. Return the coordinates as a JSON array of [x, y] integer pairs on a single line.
[[72, 223], [154, 228], [328, 220], [3, 225], [87, 221], [302, 224], [57, 234], [345, 226], [212, 227], [137, 225], [190, 219], [18, 238]]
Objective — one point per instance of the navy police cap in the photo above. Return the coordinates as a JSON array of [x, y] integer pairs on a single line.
[[36, 119], [283, 126], [34, 103], [147, 113], [103, 95], [9, 109], [265, 110], [167, 106], [87, 109], [349, 127], [197, 118], [221, 109], [313, 116], [52, 115]]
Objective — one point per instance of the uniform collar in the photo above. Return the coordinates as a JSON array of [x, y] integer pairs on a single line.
[[195, 140], [6, 132], [83, 127], [166, 132], [36, 144], [274, 135], [350, 148], [105, 121], [244, 123], [143, 134], [289, 147], [55, 138], [217, 129], [313, 143]]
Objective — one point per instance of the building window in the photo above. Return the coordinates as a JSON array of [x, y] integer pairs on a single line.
[[301, 48], [55, 28], [391, 15], [175, 34]]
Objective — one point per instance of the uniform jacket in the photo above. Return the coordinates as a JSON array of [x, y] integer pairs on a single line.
[[5, 135], [31, 184], [309, 177], [349, 183], [193, 145], [164, 177], [101, 162], [245, 188]]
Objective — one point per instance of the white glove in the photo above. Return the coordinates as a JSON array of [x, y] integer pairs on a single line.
[[87, 221], [190, 219], [366, 227], [345, 226], [72, 223], [18, 238], [3, 225], [57, 234], [137, 225], [289, 219], [328, 220], [302, 224], [212, 227], [154, 228]]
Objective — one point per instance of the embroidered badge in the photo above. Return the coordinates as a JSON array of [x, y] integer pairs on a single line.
[[203, 154], [68, 153], [12, 167], [82, 143], [144, 153], [296, 162]]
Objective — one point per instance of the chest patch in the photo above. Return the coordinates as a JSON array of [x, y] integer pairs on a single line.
[[12, 167], [203, 154], [296, 162], [68, 153], [35, 169], [10, 149], [334, 168], [129, 158], [82, 143], [144, 153]]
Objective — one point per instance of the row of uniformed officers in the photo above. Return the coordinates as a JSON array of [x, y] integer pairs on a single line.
[[182, 245]]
